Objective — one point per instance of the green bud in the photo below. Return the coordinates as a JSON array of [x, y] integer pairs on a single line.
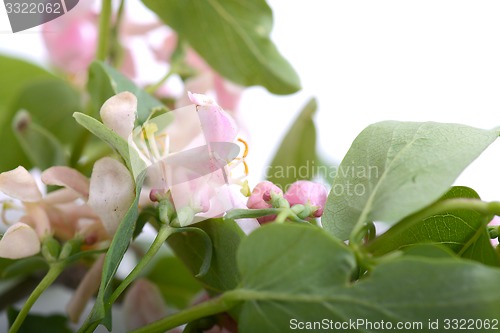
[[70, 247], [51, 248]]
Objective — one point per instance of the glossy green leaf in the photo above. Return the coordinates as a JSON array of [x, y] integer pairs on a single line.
[[394, 169], [177, 285], [50, 104], [296, 158], [55, 323], [43, 149], [105, 81], [297, 272], [233, 38], [226, 236], [462, 231]]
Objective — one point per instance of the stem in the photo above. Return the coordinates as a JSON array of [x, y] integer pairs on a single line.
[[152, 89], [54, 271], [220, 304], [163, 233], [104, 28], [116, 55]]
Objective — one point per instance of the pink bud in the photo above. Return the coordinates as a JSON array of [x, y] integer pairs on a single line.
[[260, 196], [307, 193]]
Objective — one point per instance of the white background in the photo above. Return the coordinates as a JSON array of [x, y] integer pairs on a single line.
[[368, 61]]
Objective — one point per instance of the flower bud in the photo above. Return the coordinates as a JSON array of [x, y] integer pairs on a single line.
[[260, 197], [307, 193]]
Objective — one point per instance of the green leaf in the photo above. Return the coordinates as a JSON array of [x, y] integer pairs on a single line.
[[114, 256], [226, 236], [16, 74], [38, 323], [24, 267], [462, 231], [42, 148], [300, 272], [105, 81], [296, 157], [394, 169], [130, 156], [233, 38], [50, 103], [177, 285]]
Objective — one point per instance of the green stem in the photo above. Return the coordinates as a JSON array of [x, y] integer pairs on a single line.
[[104, 29], [220, 304], [153, 88], [54, 271], [163, 233], [116, 54]]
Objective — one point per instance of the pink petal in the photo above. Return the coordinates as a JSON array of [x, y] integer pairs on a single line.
[[217, 125], [119, 112], [143, 304], [20, 241], [87, 287], [67, 177], [112, 191], [39, 219], [20, 184]]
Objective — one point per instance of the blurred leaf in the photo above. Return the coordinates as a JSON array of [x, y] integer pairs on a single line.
[[233, 38], [394, 169], [23, 267], [16, 74], [105, 81], [42, 148], [306, 276], [50, 103], [177, 284], [428, 251], [226, 236], [462, 231], [38, 323], [296, 158]]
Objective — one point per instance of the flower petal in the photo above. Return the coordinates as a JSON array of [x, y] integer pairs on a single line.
[[143, 304], [20, 184], [119, 112], [87, 287], [112, 192], [67, 177], [20, 241], [217, 125]]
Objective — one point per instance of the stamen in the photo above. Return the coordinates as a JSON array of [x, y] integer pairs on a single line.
[[245, 152]]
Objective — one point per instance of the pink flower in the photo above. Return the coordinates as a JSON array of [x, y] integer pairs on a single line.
[[307, 193], [206, 80], [259, 199], [90, 210], [143, 304], [71, 40], [196, 166]]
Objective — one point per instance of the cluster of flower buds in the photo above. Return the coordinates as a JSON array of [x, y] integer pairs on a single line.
[[307, 199]]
